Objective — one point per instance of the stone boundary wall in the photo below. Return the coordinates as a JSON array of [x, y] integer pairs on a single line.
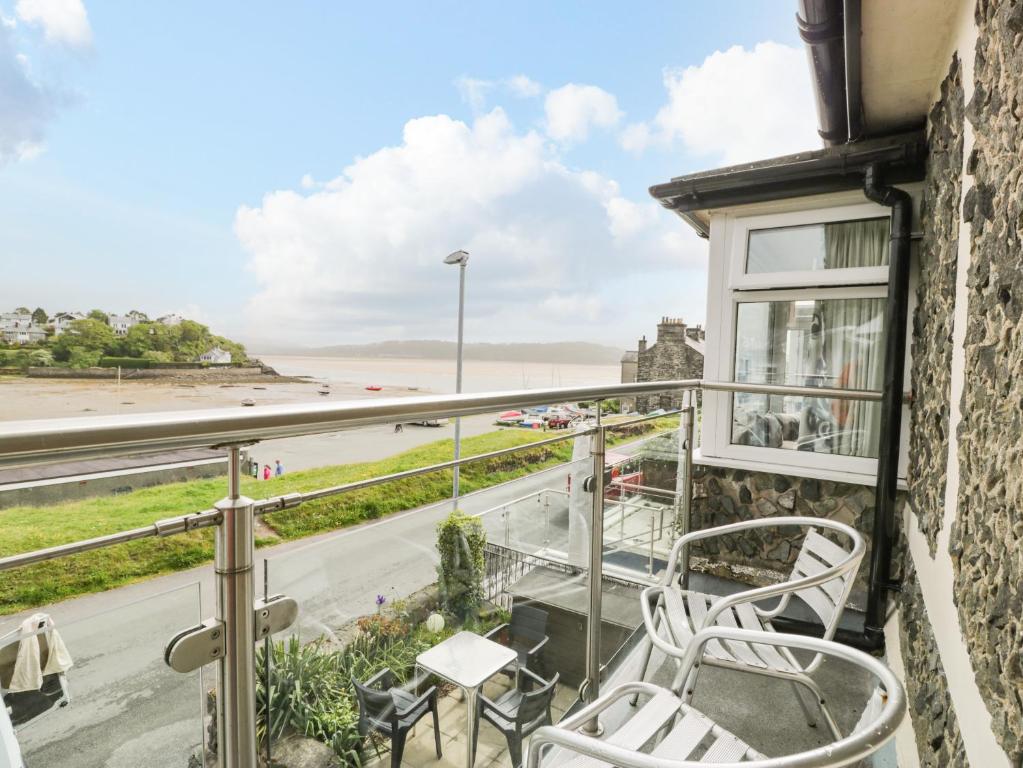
[[986, 542], [931, 372], [723, 495], [938, 739], [150, 373]]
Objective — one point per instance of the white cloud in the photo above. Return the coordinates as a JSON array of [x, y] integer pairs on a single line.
[[738, 105], [62, 21], [474, 91], [359, 257], [26, 106], [572, 109], [523, 87]]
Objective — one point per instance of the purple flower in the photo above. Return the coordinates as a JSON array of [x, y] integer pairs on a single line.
[[380, 601]]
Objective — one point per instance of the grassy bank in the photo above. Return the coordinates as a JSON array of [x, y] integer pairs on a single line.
[[24, 529]]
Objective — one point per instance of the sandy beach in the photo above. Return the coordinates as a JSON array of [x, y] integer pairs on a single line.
[[22, 398]]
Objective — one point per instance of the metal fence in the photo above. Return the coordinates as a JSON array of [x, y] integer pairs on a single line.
[[228, 638]]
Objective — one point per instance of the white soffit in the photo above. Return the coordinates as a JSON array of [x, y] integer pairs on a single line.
[[904, 56]]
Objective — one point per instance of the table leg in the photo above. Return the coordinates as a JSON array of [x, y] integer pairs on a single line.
[[470, 729]]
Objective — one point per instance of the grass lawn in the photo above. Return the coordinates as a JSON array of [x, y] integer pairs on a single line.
[[23, 529]]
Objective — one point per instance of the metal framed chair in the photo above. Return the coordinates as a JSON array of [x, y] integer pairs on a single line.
[[822, 577], [519, 712], [392, 711], [526, 634], [690, 738]]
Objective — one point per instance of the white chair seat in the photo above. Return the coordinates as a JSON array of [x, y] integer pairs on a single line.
[[695, 736], [686, 612]]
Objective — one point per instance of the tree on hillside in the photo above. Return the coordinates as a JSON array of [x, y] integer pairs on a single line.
[[99, 314], [39, 317], [84, 336], [23, 311]]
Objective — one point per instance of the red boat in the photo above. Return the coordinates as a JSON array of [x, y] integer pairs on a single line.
[[374, 387]]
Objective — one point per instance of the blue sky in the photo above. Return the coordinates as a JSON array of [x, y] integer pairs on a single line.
[[253, 164]]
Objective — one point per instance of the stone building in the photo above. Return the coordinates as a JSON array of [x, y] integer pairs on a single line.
[[810, 264], [677, 354]]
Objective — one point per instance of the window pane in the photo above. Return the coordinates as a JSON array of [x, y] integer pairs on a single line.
[[812, 247], [809, 343]]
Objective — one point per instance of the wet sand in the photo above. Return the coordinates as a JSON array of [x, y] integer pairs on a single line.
[[22, 398]]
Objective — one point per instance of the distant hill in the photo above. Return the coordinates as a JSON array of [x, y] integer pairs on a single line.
[[578, 352]]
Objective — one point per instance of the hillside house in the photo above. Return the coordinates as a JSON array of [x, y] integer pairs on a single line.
[[121, 323], [216, 356], [63, 320]]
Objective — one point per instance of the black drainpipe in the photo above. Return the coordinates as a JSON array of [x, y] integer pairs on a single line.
[[891, 402]]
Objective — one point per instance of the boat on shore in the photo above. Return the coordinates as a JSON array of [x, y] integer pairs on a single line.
[[374, 387]]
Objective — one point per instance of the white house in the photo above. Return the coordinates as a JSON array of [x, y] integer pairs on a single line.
[[63, 320], [27, 334], [121, 323], [215, 355], [172, 319], [11, 320]]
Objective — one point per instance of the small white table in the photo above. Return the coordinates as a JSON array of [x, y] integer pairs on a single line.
[[468, 661]]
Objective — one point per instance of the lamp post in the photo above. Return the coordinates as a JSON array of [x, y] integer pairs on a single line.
[[461, 258]]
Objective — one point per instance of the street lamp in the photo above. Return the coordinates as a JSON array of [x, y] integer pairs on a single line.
[[461, 258]]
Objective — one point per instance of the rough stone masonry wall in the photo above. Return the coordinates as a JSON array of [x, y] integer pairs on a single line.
[[938, 739], [723, 495], [670, 358], [932, 324], [987, 540]]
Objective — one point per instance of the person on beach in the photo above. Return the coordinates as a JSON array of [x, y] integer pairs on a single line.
[[279, 469], [266, 471], [399, 427]]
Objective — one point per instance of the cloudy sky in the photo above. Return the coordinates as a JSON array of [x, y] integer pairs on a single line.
[[297, 172]]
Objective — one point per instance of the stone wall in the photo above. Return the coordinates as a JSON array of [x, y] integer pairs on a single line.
[[987, 540], [932, 324], [669, 358], [723, 495], [938, 740]]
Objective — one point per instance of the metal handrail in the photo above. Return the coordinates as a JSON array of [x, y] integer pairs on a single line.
[[48, 440]]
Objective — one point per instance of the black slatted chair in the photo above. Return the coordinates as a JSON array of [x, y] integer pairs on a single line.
[[392, 711], [517, 713], [526, 634]]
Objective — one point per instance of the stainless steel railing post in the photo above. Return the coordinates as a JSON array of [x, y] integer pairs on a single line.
[[596, 580], [236, 595], [688, 422]]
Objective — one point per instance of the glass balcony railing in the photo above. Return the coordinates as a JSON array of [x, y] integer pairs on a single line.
[[395, 633]]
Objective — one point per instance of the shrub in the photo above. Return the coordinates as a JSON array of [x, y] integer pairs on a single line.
[[123, 362], [460, 542], [80, 357]]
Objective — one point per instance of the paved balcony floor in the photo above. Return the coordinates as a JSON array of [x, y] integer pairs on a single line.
[[763, 712]]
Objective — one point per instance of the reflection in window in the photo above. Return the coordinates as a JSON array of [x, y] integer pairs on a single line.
[[811, 247], [809, 343]]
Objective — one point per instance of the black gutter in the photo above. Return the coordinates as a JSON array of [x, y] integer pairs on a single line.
[[834, 169], [822, 27], [891, 404], [852, 19]]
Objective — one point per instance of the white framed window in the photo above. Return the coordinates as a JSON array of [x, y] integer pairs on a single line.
[[797, 297]]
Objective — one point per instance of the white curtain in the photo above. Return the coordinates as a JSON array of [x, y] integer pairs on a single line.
[[856, 244], [853, 337]]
